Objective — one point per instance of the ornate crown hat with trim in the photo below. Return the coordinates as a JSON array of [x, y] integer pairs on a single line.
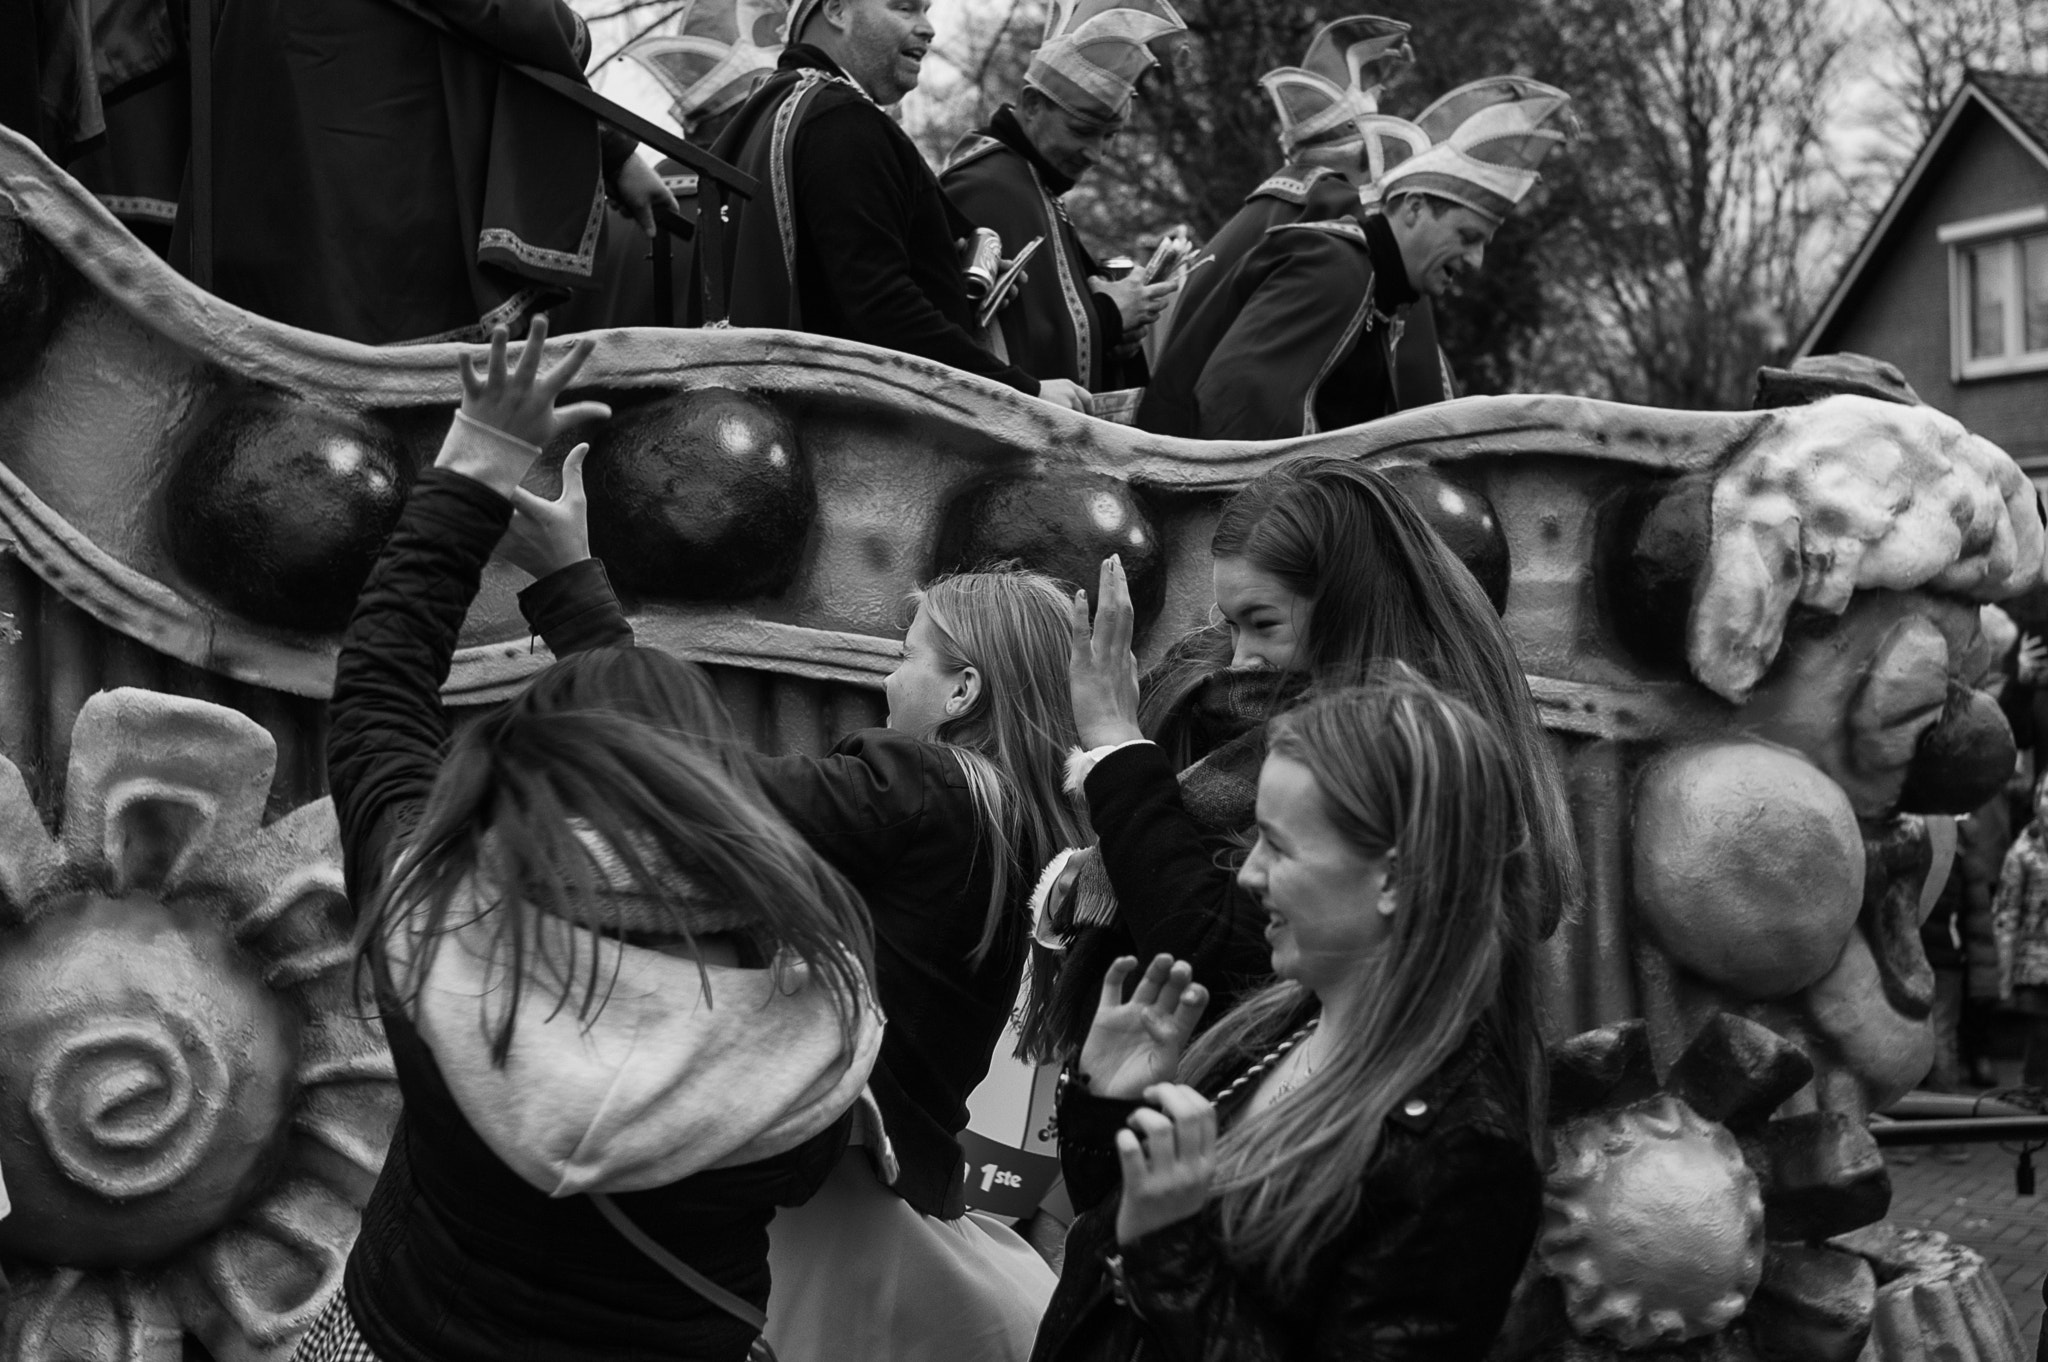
[[715, 57], [1095, 50], [1485, 141], [1338, 82]]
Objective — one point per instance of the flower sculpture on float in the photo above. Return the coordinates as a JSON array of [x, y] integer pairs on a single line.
[[1697, 1218], [192, 1106]]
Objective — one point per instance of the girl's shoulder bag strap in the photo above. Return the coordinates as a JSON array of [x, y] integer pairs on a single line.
[[687, 1275]]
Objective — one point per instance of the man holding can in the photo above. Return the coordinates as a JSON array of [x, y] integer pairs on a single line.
[[1067, 319], [850, 234]]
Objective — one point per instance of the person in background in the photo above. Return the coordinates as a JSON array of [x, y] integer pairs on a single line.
[[629, 1008], [381, 181], [1066, 320], [852, 235], [2020, 920], [1300, 335], [1325, 106], [1346, 1164], [708, 59]]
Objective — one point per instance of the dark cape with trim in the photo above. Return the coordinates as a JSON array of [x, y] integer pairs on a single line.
[[1295, 338], [1055, 326], [1309, 193], [850, 234], [381, 181]]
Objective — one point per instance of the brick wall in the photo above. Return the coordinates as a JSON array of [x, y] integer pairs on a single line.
[[1900, 308]]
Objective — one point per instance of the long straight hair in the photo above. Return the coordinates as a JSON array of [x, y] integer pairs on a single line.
[[630, 749], [1401, 768], [1012, 741], [1382, 585]]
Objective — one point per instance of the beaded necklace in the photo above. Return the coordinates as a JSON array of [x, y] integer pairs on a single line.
[[1271, 1058]]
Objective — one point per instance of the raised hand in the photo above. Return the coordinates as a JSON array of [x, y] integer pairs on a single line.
[[1169, 1161], [1136, 1044], [509, 413], [546, 536], [1102, 671]]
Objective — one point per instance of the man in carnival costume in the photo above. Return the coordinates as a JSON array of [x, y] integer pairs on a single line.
[[1300, 334], [1327, 157], [850, 234], [713, 55], [1066, 320], [381, 181]]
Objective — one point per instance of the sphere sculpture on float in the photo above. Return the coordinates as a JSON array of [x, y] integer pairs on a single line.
[[1732, 623]]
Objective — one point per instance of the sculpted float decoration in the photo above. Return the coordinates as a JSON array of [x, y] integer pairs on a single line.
[[1754, 636]]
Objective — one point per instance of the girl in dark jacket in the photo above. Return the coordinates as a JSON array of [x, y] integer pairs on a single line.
[[1322, 569], [1344, 1166], [623, 997], [939, 820]]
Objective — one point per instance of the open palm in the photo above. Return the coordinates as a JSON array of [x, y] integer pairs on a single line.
[[1138, 1043]]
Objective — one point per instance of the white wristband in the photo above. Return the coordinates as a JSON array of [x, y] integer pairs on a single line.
[[532, 451]]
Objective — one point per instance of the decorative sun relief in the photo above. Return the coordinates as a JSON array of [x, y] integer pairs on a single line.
[[1694, 1219], [193, 1108]]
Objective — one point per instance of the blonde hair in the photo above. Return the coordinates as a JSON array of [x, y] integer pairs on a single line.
[[1402, 768], [1012, 741]]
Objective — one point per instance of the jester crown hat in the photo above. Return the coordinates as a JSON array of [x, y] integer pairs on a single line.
[[715, 56], [1338, 82], [1095, 50], [1479, 145]]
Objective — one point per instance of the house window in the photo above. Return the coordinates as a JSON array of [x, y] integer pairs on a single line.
[[1998, 270]]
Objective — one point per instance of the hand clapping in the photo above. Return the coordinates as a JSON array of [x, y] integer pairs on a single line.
[[1102, 671], [546, 536], [1169, 1161], [1136, 1044]]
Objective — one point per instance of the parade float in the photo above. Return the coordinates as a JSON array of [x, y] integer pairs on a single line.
[[1754, 637]]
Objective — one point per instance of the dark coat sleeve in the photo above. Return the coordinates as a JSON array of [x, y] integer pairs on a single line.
[[574, 609], [1425, 1275], [862, 807], [854, 208], [386, 730], [1171, 894], [543, 33], [1308, 310], [1008, 205], [1088, 1125]]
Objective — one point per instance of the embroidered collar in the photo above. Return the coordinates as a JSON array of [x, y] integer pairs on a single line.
[[1006, 128], [806, 58]]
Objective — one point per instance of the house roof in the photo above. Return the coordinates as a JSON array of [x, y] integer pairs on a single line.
[[2024, 97], [2017, 102]]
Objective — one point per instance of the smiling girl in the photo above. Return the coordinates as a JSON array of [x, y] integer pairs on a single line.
[[1345, 1165], [1322, 569]]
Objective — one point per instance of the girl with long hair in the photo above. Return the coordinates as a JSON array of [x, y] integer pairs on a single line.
[[629, 1008], [940, 820], [1346, 1164], [1322, 569]]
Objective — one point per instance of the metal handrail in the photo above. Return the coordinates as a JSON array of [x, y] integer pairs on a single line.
[[1961, 1130]]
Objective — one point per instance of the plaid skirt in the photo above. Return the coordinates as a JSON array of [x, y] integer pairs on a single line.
[[333, 1337]]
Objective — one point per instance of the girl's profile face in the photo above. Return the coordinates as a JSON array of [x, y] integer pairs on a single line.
[[1321, 894], [1268, 622], [924, 684]]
